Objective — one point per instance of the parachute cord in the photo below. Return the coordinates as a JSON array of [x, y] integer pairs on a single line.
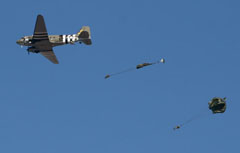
[[157, 62], [124, 71], [193, 118]]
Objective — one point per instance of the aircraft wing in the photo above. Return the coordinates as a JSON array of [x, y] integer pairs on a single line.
[[50, 55], [41, 40], [40, 31]]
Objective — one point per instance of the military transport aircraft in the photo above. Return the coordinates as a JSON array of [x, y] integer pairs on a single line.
[[43, 43]]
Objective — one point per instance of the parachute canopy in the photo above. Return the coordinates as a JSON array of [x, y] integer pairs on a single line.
[[217, 105], [142, 65]]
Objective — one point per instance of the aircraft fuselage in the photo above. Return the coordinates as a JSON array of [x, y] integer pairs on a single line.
[[55, 40]]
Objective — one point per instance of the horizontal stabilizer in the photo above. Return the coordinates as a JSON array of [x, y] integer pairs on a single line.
[[87, 41]]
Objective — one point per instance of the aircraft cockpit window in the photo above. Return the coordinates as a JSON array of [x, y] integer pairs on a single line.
[[25, 39]]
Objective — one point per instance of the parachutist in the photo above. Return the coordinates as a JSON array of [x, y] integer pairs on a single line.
[[107, 76], [143, 65], [177, 127]]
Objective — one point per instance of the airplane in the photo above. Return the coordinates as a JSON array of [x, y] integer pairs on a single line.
[[41, 42]]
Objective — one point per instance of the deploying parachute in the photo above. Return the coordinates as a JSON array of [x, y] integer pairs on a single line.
[[139, 66], [216, 105]]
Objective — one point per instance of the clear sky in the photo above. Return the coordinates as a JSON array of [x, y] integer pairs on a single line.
[[71, 108]]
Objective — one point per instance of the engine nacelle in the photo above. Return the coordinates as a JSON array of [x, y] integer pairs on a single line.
[[33, 50]]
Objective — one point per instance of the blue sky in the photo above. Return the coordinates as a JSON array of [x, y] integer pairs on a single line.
[[70, 107]]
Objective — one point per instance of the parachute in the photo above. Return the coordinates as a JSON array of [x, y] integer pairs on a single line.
[[216, 105], [139, 66], [143, 65]]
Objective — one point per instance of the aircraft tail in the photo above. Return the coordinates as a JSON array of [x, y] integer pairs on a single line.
[[84, 35]]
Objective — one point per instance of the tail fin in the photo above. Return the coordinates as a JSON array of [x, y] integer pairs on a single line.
[[84, 35]]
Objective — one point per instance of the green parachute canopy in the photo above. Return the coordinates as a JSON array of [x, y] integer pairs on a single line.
[[217, 105]]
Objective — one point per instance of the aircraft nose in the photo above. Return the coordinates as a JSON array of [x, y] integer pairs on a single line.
[[19, 42]]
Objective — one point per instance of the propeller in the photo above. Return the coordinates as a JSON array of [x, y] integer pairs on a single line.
[[28, 50]]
